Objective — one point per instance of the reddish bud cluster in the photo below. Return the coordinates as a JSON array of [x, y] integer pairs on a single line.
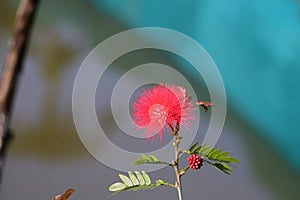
[[195, 161]]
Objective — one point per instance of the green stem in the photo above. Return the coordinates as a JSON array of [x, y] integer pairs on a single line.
[[170, 185], [177, 138], [182, 171]]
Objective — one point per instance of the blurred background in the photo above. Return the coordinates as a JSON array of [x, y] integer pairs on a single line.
[[256, 46]]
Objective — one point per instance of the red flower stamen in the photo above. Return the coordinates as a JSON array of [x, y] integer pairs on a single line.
[[160, 107]]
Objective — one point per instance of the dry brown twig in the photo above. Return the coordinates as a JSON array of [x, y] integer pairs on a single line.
[[64, 196], [10, 74], [13, 65]]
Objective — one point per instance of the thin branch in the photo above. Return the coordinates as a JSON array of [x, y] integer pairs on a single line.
[[175, 166], [12, 67], [183, 171], [170, 185]]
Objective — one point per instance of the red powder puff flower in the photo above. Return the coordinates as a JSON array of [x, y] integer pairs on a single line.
[[160, 108]]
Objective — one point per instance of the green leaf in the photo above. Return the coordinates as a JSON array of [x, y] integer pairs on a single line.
[[126, 180], [197, 150], [205, 150], [223, 167], [133, 178], [193, 147], [213, 156], [158, 183], [145, 157], [117, 187], [221, 155], [140, 178], [146, 178], [141, 181], [227, 167], [148, 159], [213, 152], [229, 159], [154, 158]]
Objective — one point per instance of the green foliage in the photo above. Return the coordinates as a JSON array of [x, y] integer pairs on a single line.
[[133, 178], [192, 148], [139, 181], [148, 159], [223, 167], [126, 180], [213, 156]]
